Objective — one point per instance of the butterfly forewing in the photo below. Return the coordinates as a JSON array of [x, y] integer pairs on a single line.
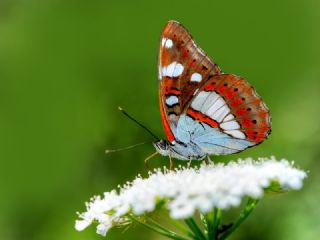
[[183, 68]]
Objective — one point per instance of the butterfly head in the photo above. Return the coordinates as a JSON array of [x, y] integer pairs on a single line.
[[178, 149], [163, 147]]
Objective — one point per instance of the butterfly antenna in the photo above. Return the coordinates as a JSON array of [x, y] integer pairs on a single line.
[[124, 148], [140, 124]]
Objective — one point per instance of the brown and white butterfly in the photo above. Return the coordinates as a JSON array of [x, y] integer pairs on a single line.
[[204, 111]]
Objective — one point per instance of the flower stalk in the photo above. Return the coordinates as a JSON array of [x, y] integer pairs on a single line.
[[250, 206], [156, 227], [212, 222], [191, 223]]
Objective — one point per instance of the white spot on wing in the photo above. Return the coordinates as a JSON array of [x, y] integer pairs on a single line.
[[159, 72], [228, 117], [173, 70], [167, 42], [196, 77], [172, 100], [236, 134], [231, 125], [196, 91], [197, 103], [168, 70], [178, 70], [220, 113], [215, 106], [209, 101]]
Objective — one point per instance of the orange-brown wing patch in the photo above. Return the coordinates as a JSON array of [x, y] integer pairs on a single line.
[[183, 68], [199, 116]]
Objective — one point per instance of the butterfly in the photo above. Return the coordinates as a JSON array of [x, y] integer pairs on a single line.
[[204, 111]]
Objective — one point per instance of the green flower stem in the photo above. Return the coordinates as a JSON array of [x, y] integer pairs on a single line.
[[163, 231], [175, 223], [213, 221], [181, 227], [195, 229], [251, 204], [178, 224]]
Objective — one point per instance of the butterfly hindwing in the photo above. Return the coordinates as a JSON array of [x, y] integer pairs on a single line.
[[183, 68], [231, 105]]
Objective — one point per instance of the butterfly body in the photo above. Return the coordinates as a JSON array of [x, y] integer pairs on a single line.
[[179, 150], [204, 111]]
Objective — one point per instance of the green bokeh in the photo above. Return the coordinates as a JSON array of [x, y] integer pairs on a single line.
[[65, 66]]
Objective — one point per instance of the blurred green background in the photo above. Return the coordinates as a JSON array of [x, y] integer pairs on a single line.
[[65, 66]]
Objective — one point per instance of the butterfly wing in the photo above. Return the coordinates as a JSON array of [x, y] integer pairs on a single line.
[[232, 113], [183, 68]]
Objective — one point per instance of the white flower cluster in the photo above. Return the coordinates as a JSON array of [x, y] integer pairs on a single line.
[[186, 190]]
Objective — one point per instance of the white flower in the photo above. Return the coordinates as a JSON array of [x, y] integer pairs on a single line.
[[105, 211], [186, 190]]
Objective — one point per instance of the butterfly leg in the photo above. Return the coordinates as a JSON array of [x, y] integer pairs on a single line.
[[208, 160], [189, 163], [171, 163], [148, 158]]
